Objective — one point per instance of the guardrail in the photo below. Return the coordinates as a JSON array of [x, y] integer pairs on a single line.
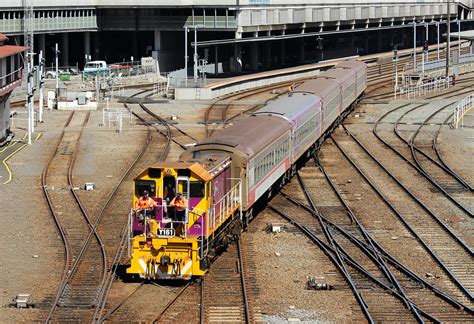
[[422, 87], [461, 109]]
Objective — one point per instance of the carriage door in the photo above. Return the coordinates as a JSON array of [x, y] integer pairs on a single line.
[[183, 187]]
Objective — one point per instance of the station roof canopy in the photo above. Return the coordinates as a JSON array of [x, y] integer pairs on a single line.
[[9, 50]]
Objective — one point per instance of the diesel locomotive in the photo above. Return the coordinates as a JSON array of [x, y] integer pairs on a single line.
[[226, 176]]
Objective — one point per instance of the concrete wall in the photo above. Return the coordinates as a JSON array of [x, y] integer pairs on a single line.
[[4, 118]]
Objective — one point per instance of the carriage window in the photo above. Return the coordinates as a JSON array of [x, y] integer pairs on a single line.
[[196, 189], [142, 185]]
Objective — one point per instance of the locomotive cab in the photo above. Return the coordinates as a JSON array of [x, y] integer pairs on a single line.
[[171, 242]]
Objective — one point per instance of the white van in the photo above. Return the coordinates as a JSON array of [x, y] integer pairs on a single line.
[[94, 66]]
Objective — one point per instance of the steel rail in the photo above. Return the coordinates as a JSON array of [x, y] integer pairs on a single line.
[[243, 283], [376, 253], [438, 153], [413, 147], [417, 165], [72, 270], [162, 122], [108, 277], [119, 304], [202, 307], [402, 219], [171, 302], [44, 187], [326, 248], [339, 260], [388, 257], [107, 280], [409, 192]]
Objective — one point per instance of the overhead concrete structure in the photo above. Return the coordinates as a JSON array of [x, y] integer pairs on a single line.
[[155, 28]]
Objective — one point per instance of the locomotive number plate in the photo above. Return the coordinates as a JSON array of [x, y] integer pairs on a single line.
[[166, 232]]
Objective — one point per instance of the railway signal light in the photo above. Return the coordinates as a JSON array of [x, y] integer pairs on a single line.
[[425, 46]]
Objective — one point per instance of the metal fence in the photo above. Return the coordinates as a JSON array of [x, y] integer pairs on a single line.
[[424, 87], [461, 110]]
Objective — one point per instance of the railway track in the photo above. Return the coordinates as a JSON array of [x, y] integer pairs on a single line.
[[361, 272], [219, 113], [83, 264], [390, 291], [85, 284], [407, 153], [154, 150], [225, 289], [425, 137], [444, 245]]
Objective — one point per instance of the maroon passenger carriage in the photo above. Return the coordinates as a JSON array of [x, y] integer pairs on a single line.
[[260, 154]]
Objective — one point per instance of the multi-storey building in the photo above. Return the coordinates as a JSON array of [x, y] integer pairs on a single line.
[[255, 32], [11, 68]]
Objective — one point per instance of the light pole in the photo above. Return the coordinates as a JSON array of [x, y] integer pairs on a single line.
[[41, 83], [395, 58], [414, 45], [437, 27], [186, 57], [459, 40], [195, 55], [448, 32], [427, 41], [30, 96], [56, 52]]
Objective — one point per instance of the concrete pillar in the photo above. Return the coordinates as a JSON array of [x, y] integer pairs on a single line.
[[87, 45], [96, 46], [216, 60], [282, 52], [301, 56], [353, 43], [157, 40], [42, 44], [366, 38], [135, 45], [254, 56], [65, 49], [379, 42], [268, 55]]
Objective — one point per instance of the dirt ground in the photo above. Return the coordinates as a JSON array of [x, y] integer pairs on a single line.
[[31, 254]]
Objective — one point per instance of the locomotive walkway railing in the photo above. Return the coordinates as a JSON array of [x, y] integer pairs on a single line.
[[461, 110], [226, 205]]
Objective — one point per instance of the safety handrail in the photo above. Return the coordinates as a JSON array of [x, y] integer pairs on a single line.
[[7, 77], [461, 109]]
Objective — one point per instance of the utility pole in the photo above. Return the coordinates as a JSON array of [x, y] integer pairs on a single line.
[[41, 83], [427, 39], [195, 55], [57, 71], [414, 45], [459, 40], [30, 96], [28, 25], [448, 35], [437, 26]]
